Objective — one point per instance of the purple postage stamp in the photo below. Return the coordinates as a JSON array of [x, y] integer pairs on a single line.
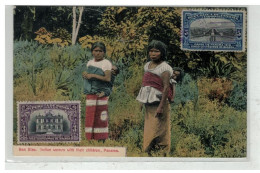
[[53, 121]]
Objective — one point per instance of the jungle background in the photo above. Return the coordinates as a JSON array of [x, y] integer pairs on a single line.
[[52, 46]]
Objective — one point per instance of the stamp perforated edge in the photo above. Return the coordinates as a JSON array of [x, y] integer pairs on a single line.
[[46, 102], [202, 9]]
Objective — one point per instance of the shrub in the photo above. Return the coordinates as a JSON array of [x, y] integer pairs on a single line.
[[186, 91], [124, 112], [211, 122], [59, 37], [190, 146], [238, 96], [134, 82], [215, 89], [217, 67], [235, 147], [133, 139]]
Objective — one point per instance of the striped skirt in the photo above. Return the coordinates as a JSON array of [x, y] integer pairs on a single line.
[[96, 122]]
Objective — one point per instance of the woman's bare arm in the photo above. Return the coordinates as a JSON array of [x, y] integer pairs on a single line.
[[166, 83]]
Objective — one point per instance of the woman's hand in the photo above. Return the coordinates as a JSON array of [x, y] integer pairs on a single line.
[[159, 111], [141, 107]]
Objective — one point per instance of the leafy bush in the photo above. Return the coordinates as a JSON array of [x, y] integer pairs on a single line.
[[212, 123], [134, 82], [29, 59], [235, 147], [238, 96], [218, 67], [190, 146], [186, 91], [215, 88], [133, 138], [59, 37]]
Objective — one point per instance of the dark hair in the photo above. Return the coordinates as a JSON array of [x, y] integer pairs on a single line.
[[116, 70], [160, 46], [179, 78], [101, 45]]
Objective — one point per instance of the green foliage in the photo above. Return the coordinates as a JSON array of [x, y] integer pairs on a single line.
[[217, 68], [126, 31], [133, 137], [190, 146], [65, 65], [212, 123], [28, 60], [59, 37], [186, 91], [238, 96], [29, 19], [214, 64], [132, 28], [217, 89]]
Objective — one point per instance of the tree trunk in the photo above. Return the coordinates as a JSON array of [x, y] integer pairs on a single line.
[[76, 25]]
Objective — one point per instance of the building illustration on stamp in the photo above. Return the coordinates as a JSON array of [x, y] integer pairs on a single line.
[[49, 123], [53, 121]]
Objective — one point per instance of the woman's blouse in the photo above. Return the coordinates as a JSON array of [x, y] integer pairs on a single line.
[[148, 94], [103, 64], [94, 86]]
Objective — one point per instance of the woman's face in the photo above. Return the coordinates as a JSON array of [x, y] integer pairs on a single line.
[[98, 54], [155, 54]]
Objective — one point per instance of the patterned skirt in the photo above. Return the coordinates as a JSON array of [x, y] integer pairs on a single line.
[[96, 122]]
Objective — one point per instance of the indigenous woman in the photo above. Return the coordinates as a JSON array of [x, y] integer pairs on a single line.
[[155, 95], [97, 88]]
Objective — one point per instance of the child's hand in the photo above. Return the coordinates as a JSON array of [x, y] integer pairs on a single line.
[[102, 94], [87, 75], [84, 74]]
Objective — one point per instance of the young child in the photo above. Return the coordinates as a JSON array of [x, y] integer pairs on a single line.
[[177, 75], [114, 73]]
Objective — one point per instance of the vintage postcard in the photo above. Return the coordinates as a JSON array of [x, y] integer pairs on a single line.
[[129, 81]]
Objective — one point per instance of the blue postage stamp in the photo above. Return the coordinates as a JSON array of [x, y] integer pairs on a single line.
[[57, 121], [213, 30]]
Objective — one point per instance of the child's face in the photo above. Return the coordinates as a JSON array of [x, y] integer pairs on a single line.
[[175, 74], [114, 69], [98, 54], [154, 54]]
